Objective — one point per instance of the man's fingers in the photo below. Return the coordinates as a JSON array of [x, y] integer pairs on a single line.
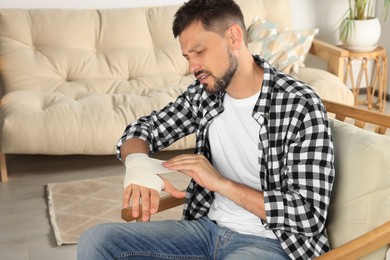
[[185, 163], [135, 201], [186, 159], [145, 204], [144, 201], [169, 188], [178, 194], [154, 201], [126, 197]]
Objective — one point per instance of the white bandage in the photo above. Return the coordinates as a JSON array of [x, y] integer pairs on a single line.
[[142, 170]]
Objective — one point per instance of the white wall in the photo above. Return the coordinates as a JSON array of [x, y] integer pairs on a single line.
[[306, 14], [325, 15], [320, 14]]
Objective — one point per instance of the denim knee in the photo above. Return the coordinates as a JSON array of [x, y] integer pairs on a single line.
[[92, 241], [93, 234]]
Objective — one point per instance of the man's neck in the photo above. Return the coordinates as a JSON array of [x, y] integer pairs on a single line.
[[248, 79]]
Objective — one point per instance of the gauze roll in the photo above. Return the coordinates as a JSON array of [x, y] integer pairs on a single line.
[[142, 170]]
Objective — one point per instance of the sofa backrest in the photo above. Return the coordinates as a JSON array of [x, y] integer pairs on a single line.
[[108, 50], [360, 200]]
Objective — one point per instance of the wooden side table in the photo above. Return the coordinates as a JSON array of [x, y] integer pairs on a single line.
[[378, 81]]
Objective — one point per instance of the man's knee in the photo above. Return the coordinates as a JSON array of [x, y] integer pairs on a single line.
[[93, 241], [93, 234]]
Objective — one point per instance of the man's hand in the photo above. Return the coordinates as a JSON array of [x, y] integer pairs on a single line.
[[203, 172], [146, 200], [200, 169]]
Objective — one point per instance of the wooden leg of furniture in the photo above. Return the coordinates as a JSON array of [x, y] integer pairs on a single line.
[[382, 84], [369, 84], [373, 78], [3, 168], [363, 72], [376, 86], [354, 87]]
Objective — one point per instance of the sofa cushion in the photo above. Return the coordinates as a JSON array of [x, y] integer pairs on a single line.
[[360, 199], [326, 85], [79, 122]]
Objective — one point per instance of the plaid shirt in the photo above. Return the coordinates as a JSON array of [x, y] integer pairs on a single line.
[[295, 155]]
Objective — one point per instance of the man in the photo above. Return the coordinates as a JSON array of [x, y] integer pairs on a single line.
[[262, 171]]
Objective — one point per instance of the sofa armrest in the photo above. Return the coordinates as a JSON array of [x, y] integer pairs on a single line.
[[359, 116], [333, 55], [361, 246]]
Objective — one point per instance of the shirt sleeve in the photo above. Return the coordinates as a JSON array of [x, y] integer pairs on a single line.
[[301, 205], [164, 127]]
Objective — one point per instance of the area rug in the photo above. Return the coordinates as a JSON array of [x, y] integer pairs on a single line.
[[75, 206]]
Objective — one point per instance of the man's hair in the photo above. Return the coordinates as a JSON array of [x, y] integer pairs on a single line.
[[215, 15]]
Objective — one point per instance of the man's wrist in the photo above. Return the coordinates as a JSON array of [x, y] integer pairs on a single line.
[[133, 156]]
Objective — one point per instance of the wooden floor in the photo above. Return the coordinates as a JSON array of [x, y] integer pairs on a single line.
[[25, 231]]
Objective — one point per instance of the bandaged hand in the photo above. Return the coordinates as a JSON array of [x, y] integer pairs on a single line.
[[142, 185], [142, 170]]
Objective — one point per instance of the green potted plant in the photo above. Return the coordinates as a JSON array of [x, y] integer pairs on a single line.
[[360, 29]]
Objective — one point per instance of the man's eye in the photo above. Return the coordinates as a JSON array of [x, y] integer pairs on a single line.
[[199, 52]]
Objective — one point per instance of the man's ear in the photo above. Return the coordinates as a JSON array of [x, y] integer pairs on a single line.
[[236, 36]]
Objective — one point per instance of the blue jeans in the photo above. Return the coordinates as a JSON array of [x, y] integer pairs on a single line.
[[195, 239]]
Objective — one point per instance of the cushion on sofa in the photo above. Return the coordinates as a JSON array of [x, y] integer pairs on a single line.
[[287, 50], [284, 49], [360, 199], [326, 85]]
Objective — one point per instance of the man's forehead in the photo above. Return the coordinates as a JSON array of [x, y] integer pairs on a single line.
[[192, 37], [189, 30]]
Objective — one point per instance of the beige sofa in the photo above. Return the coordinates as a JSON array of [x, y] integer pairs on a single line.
[[71, 80]]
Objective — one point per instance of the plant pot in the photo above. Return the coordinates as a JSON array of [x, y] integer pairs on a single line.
[[364, 35]]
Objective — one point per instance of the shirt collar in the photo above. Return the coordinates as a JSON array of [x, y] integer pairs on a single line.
[[263, 103]]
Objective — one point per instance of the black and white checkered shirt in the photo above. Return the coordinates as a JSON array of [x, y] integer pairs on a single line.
[[295, 155]]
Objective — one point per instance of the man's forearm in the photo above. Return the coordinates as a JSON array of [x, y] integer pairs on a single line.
[[246, 197], [134, 145]]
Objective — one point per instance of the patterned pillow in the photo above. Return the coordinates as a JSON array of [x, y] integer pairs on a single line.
[[260, 29], [285, 50]]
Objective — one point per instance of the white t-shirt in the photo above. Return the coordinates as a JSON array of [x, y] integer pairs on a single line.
[[234, 144]]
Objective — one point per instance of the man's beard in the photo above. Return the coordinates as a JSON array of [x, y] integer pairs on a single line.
[[223, 82]]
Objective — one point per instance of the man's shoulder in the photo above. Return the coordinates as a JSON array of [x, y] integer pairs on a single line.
[[295, 98], [283, 83], [291, 87]]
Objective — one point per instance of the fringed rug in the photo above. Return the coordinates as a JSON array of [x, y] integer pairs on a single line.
[[75, 206]]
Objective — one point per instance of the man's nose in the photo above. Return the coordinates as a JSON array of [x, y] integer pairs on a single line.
[[193, 66]]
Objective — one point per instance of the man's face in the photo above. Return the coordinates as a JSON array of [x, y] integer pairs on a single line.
[[209, 57]]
